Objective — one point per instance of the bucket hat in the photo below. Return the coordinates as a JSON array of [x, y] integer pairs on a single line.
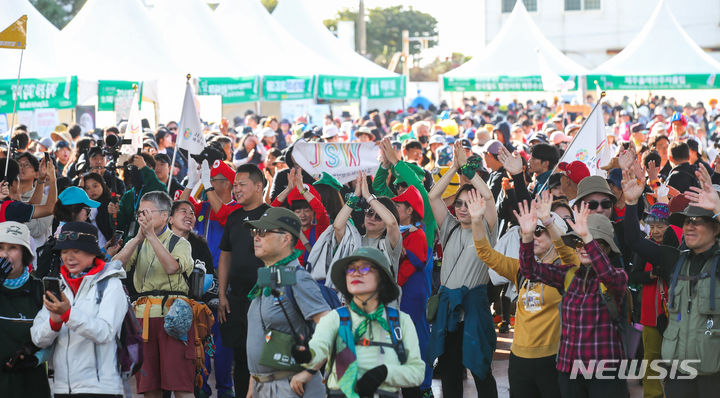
[[375, 256], [594, 184], [600, 228]]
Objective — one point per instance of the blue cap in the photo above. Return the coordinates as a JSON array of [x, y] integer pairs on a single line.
[[615, 177], [75, 195]]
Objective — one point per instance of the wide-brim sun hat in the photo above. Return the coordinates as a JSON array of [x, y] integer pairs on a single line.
[[16, 233], [678, 218], [374, 256]]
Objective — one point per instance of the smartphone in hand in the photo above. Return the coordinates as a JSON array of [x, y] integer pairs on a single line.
[[52, 284]]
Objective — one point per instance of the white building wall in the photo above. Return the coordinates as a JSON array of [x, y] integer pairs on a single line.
[[586, 36]]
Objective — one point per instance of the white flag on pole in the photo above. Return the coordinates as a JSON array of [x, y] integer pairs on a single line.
[[590, 144], [190, 133], [134, 131]]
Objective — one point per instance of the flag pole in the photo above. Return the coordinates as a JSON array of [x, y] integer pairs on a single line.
[[12, 123], [175, 151], [602, 95]]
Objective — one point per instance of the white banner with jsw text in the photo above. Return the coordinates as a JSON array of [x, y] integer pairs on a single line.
[[342, 160]]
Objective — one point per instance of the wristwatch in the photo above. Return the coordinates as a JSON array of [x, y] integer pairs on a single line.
[[371, 198]]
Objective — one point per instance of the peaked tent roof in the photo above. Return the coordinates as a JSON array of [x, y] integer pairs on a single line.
[[111, 39], [40, 56], [293, 16], [256, 32], [661, 48], [193, 37], [514, 52]]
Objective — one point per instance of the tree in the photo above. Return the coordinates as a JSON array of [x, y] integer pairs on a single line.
[[58, 12], [269, 4], [384, 29]]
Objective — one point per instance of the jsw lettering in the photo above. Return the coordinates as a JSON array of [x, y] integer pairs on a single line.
[[335, 155]]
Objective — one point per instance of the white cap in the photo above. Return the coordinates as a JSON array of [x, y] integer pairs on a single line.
[[267, 132], [330, 131]]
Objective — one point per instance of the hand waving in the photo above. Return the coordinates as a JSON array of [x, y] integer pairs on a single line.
[[626, 159], [512, 162], [631, 189], [543, 204], [527, 218], [476, 205], [459, 154], [580, 225]]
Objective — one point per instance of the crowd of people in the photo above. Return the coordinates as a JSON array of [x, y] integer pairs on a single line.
[[162, 268]]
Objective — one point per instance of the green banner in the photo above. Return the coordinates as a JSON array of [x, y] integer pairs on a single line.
[[56, 92], [232, 89], [108, 90], [496, 83], [654, 82], [385, 87], [277, 88], [339, 87]]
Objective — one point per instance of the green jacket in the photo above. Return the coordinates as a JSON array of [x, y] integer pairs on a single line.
[[18, 307], [130, 201], [402, 169]]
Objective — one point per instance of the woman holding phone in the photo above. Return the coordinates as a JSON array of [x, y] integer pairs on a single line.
[[84, 321]]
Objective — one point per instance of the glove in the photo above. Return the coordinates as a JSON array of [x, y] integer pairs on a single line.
[[5, 269], [205, 174], [301, 352], [21, 359], [371, 380], [193, 177]]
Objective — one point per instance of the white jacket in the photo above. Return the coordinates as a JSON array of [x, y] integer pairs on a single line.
[[85, 350]]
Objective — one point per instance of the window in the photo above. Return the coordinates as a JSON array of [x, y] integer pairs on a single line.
[[577, 5], [508, 5]]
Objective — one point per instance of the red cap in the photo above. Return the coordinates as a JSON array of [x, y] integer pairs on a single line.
[[412, 196], [575, 170], [295, 194], [220, 167]]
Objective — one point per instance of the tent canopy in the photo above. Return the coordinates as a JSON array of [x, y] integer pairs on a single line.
[[513, 59], [40, 56], [662, 55]]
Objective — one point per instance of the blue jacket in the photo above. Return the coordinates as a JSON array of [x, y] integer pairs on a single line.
[[479, 338]]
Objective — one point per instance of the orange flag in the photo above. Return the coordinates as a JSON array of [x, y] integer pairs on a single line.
[[15, 35]]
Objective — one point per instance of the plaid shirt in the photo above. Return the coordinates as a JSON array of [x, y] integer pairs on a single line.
[[587, 328]]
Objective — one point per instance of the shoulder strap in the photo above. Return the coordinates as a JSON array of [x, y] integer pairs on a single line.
[[396, 334], [174, 239], [450, 235], [100, 289], [676, 273]]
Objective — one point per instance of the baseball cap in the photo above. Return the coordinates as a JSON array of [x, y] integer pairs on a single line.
[[559, 137], [277, 218], [615, 177], [329, 131], [466, 143], [575, 170], [437, 139], [76, 195], [492, 147], [221, 168]]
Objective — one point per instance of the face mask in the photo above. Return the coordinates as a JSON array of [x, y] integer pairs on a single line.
[[424, 139]]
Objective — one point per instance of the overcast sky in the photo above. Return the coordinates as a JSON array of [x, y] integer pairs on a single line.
[[455, 24]]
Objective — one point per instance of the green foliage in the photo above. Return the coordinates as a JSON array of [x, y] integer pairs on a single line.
[[269, 4], [431, 71], [58, 12], [384, 29]]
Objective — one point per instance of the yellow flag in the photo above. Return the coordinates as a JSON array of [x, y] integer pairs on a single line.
[[14, 36]]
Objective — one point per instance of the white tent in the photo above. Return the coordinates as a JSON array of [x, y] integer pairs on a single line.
[[662, 55], [193, 37], [513, 61], [264, 41], [40, 56], [294, 17], [110, 39]]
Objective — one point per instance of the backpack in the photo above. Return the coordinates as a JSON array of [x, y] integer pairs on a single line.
[[130, 341], [621, 315]]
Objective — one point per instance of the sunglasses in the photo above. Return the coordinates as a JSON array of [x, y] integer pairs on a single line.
[[460, 203], [576, 242], [360, 269], [695, 221], [74, 236], [539, 231], [372, 214], [263, 232], [605, 204]]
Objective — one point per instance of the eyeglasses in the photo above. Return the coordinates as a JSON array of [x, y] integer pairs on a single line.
[[593, 204], [87, 209], [577, 243], [362, 269], [262, 232], [695, 221], [139, 212], [460, 203], [539, 231], [372, 214], [72, 235]]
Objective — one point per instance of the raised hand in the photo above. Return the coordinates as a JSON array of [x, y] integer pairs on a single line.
[[4, 190], [511, 162], [626, 159], [299, 184], [703, 177], [476, 205], [363, 183], [580, 225], [631, 189], [389, 152], [543, 204], [358, 185], [527, 218], [652, 171], [459, 155], [662, 193], [704, 197]]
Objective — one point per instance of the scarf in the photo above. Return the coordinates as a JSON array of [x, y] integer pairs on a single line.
[[74, 280], [17, 282], [377, 316], [257, 290]]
